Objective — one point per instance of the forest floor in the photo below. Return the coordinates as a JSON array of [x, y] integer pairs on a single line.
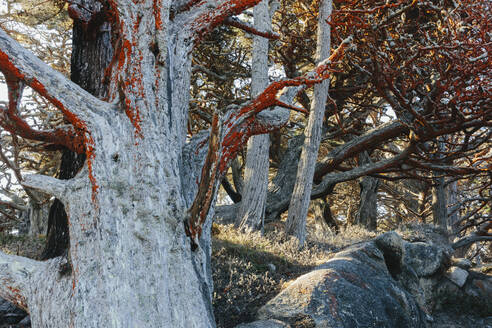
[[249, 269]]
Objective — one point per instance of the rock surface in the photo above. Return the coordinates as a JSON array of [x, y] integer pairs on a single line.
[[457, 275], [264, 324], [354, 289], [387, 282]]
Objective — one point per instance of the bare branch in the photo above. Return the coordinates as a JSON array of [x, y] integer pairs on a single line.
[[231, 21], [11, 121], [368, 140], [468, 240], [209, 14]]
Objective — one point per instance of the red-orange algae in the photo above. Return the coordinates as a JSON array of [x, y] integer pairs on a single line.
[[157, 15], [134, 115], [115, 17], [17, 298], [7, 65], [210, 19], [126, 45]]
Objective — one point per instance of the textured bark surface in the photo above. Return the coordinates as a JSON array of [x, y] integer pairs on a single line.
[[131, 263], [439, 197], [38, 217], [253, 201], [323, 215], [91, 54], [299, 203], [367, 213], [282, 185], [439, 206]]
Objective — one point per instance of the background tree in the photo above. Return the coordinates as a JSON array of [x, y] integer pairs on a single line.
[[296, 221], [253, 201]]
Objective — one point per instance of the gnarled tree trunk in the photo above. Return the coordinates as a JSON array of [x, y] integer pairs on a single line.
[[91, 54]]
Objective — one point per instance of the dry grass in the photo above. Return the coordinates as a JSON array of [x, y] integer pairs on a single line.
[[27, 246], [250, 269]]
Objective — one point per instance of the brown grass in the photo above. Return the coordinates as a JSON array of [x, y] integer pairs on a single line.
[[244, 278]]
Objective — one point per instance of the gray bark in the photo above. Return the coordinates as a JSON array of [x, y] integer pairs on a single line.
[[323, 215], [237, 177], [38, 218], [439, 206], [251, 211], [452, 200], [282, 185], [298, 208], [330, 180], [439, 198], [367, 213], [131, 262]]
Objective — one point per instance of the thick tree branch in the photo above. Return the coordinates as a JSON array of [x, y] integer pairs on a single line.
[[77, 105], [229, 189], [11, 121], [367, 141], [447, 168], [47, 185], [330, 180], [20, 207], [209, 14], [206, 189], [468, 240], [15, 275]]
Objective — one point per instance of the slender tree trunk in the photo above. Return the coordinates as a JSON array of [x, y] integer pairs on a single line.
[[323, 215], [439, 206], [38, 218], [367, 213], [282, 185], [439, 198], [299, 203], [451, 201], [251, 211]]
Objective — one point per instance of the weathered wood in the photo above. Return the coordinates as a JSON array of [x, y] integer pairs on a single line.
[[299, 203], [251, 212]]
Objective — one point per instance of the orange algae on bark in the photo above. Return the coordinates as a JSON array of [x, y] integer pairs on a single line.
[[157, 15], [6, 65]]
